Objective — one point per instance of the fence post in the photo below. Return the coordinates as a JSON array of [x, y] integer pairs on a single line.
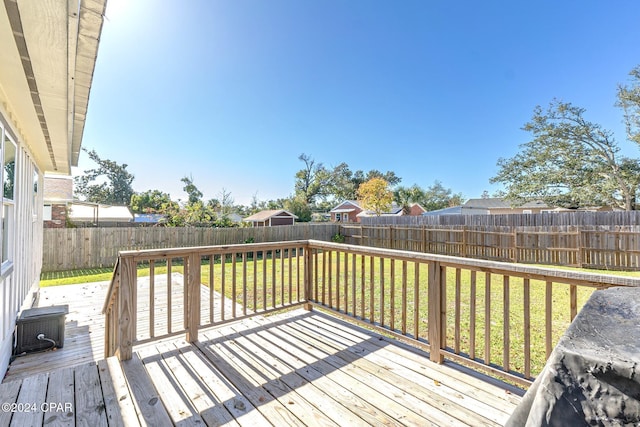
[[192, 297], [435, 314], [464, 242], [515, 245], [308, 277], [127, 308], [579, 246]]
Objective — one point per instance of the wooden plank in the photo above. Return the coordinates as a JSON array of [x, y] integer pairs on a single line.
[[487, 318], [505, 322], [372, 285], [118, 403], [457, 311], [434, 311], [392, 294], [201, 399], [548, 312], [32, 392], [416, 300], [60, 399], [410, 382], [221, 390], [89, 402], [261, 399], [289, 388], [573, 302], [382, 290], [404, 297], [472, 316], [146, 400], [362, 393], [475, 385], [8, 395], [527, 327]]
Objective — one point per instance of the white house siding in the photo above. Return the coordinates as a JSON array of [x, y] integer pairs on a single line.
[[19, 276]]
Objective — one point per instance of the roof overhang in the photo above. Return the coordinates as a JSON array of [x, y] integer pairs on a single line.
[[48, 56]]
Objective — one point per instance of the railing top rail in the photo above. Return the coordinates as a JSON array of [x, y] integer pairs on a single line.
[[541, 273], [112, 287], [147, 254]]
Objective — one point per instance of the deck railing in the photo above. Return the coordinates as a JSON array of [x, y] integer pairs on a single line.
[[499, 317]]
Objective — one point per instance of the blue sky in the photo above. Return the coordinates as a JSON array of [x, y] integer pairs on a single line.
[[231, 92]]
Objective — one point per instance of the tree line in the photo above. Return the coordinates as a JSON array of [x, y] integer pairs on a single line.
[[317, 189]]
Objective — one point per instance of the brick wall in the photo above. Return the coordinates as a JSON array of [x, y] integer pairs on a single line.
[[58, 217]]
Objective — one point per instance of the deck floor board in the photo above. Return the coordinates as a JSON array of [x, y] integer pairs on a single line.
[[292, 368]]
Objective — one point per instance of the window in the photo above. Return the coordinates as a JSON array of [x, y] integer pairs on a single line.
[[34, 202], [8, 194], [338, 217], [46, 214]]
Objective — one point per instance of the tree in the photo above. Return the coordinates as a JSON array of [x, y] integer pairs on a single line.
[[375, 195], [318, 184], [405, 197], [226, 203], [192, 191], [115, 188], [432, 198], [629, 101], [437, 197], [299, 207], [570, 162], [150, 201], [312, 181]]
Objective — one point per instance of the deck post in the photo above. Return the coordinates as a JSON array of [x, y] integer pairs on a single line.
[[435, 314], [127, 308], [308, 277], [192, 300]]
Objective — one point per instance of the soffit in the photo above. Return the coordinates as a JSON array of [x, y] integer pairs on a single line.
[[47, 72]]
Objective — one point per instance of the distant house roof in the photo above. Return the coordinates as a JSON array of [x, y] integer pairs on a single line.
[[487, 203], [394, 211], [148, 218], [499, 203], [454, 210], [340, 208], [265, 215], [89, 212]]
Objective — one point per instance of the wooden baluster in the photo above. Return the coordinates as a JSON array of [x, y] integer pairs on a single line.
[[435, 311], [193, 304], [127, 308]]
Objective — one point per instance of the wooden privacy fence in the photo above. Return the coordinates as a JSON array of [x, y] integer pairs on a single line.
[[78, 248], [545, 219], [498, 317], [590, 247]]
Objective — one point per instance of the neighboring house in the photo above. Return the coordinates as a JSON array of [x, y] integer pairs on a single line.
[[46, 68], [83, 213], [453, 210], [416, 209], [270, 218], [148, 219], [394, 211], [58, 193], [351, 211], [346, 211], [496, 206]]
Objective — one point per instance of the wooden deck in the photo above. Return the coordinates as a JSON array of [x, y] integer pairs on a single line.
[[294, 368]]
